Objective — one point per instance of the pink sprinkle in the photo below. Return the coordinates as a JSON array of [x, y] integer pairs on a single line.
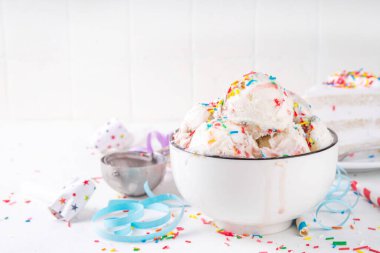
[[316, 247], [356, 219], [258, 240], [226, 243], [180, 228], [333, 108], [344, 248], [27, 201], [269, 242], [205, 222], [187, 241], [6, 200], [371, 228], [166, 247], [96, 241]]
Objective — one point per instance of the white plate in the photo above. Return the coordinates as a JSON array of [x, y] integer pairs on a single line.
[[360, 166], [361, 161]]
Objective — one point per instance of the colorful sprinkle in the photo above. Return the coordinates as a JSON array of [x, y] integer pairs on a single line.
[[339, 243]]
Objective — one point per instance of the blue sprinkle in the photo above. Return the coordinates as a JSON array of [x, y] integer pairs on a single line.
[[272, 78], [204, 104], [234, 132], [250, 82], [371, 156], [208, 126]]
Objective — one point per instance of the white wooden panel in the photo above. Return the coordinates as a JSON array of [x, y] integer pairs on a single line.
[[4, 110], [286, 41], [223, 45], [37, 59], [99, 53], [160, 59], [349, 36]]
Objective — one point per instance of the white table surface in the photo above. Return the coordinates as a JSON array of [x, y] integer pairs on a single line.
[[39, 157]]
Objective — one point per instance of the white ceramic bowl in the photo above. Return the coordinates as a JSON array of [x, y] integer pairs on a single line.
[[254, 195]]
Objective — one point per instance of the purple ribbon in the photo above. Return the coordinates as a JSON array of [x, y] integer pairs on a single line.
[[163, 139]]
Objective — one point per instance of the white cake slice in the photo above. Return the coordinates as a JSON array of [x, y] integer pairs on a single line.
[[349, 103]]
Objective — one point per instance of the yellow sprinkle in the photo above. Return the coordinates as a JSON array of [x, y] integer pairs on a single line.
[[359, 251], [104, 249], [295, 105], [122, 136], [193, 216], [307, 238], [113, 250], [211, 141]]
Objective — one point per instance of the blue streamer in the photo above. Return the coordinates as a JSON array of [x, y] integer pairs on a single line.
[[119, 229], [338, 191]]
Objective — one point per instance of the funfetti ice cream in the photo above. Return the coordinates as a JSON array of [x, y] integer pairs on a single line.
[[198, 114], [258, 100], [317, 134], [221, 137], [290, 142], [257, 118]]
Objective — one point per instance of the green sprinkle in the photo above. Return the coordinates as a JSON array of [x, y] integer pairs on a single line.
[[238, 237], [224, 125], [283, 247], [136, 249], [329, 238], [335, 243]]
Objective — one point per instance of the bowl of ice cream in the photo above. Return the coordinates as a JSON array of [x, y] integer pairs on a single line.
[[255, 159]]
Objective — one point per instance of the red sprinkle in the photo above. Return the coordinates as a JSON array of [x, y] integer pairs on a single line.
[[345, 248], [180, 228], [226, 233], [356, 219], [316, 247], [371, 228], [187, 241], [362, 247], [166, 247], [373, 250]]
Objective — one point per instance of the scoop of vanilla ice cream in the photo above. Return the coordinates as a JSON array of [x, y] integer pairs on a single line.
[[318, 135], [258, 100], [289, 142], [221, 137], [198, 114], [301, 108]]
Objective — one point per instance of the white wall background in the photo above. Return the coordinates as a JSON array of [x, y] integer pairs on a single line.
[[147, 60]]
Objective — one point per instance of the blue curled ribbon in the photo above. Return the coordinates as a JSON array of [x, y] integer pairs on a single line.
[[338, 191], [119, 229]]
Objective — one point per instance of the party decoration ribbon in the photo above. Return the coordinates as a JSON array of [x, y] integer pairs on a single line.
[[335, 197], [72, 199], [112, 136], [371, 196], [120, 228], [302, 227], [163, 140]]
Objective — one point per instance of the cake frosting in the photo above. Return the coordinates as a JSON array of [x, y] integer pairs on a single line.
[[349, 103], [256, 118]]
